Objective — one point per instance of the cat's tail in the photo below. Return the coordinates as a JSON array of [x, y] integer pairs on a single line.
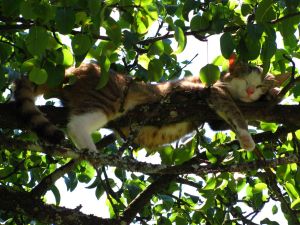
[[25, 93]]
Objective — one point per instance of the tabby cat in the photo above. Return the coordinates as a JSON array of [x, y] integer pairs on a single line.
[[91, 108]]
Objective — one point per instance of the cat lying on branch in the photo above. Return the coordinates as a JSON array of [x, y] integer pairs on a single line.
[[91, 108]]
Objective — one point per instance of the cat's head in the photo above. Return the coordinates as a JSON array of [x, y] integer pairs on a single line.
[[247, 83]]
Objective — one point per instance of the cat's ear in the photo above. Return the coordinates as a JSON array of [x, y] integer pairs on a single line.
[[279, 79]]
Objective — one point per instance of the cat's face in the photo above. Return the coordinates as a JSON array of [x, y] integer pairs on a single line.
[[247, 83]]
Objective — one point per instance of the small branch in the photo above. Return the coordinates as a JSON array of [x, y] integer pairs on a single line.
[[178, 71], [285, 17], [15, 170], [145, 196], [49, 180], [290, 84]]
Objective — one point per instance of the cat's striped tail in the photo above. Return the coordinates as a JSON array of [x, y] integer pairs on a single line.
[[25, 94]]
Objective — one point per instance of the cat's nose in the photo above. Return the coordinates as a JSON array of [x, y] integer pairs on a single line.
[[250, 90]]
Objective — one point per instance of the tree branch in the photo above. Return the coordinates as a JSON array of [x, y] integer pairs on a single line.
[[49, 180], [24, 204], [145, 196], [285, 17]]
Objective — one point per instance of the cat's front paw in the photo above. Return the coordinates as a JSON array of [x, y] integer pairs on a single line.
[[246, 140]]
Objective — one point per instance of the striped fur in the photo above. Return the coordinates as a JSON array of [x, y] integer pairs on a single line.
[[25, 94], [91, 108]]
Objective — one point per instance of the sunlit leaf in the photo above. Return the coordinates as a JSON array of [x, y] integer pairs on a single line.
[[105, 65], [268, 126], [181, 39], [296, 204], [38, 75], [209, 74], [291, 189]]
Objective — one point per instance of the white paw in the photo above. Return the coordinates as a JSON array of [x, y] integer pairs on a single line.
[[246, 140]]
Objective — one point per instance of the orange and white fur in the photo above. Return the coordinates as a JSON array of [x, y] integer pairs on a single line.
[[91, 108]]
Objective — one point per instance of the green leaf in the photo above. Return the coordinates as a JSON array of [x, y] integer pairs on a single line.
[[246, 9], [37, 40], [99, 191], [209, 74], [56, 74], [130, 39], [166, 155], [296, 204], [183, 154], [199, 23], [113, 31], [38, 75], [180, 220], [29, 64], [157, 48], [255, 31], [27, 10], [81, 44], [64, 20], [181, 40], [155, 70], [6, 51], [274, 209], [248, 48], [259, 187], [291, 189], [268, 126], [10, 8], [104, 77], [268, 49], [227, 44], [68, 58], [210, 184], [265, 11], [187, 7], [56, 194]]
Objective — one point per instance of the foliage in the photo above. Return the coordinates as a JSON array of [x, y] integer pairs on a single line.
[[144, 38]]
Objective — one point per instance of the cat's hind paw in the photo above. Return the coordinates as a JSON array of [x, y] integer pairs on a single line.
[[246, 140]]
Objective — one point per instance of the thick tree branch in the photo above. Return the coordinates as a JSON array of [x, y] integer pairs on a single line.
[[194, 166], [188, 106], [25, 204]]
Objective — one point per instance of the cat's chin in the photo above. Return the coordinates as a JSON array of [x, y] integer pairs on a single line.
[[248, 99]]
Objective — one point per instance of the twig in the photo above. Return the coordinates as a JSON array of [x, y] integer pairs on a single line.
[[49, 180], [285, 17], [181, 68], [108, 193], [144, 197], [16, 168], [290, 84]]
